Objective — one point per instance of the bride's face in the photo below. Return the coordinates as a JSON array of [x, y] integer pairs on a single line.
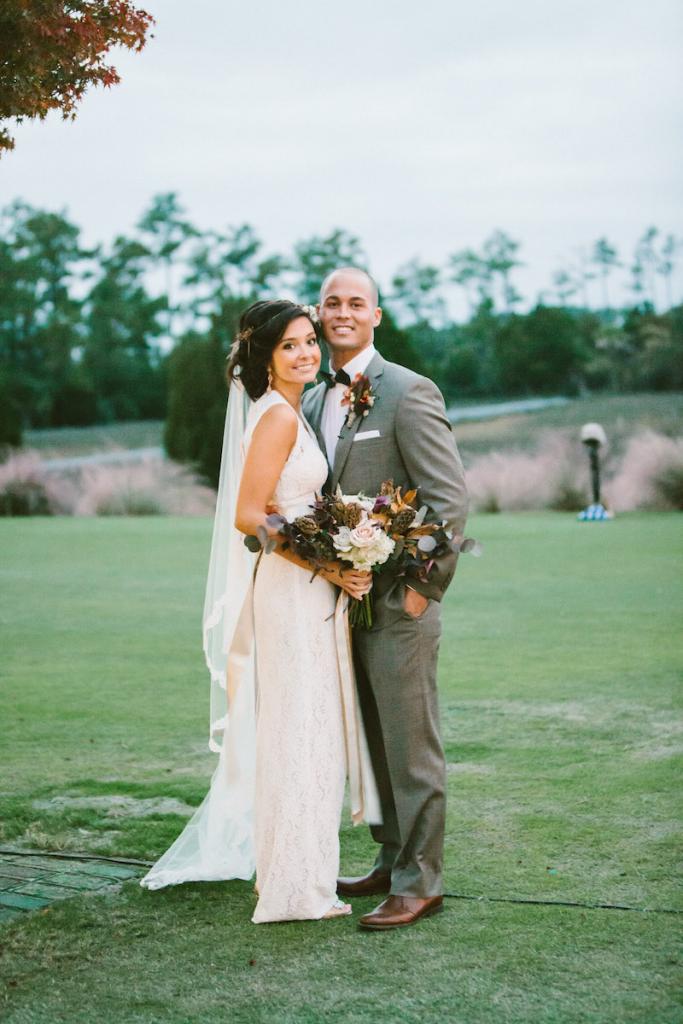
[[296, 357]]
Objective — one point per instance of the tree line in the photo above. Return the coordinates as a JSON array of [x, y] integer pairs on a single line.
[[140, 328]]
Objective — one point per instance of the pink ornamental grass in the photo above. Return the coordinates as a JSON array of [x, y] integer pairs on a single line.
[[27, 490], [555, 476], [650, 474], [150, 487]]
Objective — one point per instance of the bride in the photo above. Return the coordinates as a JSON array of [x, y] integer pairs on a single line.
[[283, 710]]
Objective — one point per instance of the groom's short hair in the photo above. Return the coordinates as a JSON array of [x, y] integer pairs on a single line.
[[353, 270]]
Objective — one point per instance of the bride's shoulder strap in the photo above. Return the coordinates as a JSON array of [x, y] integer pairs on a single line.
[[259, 408], [270, 399]]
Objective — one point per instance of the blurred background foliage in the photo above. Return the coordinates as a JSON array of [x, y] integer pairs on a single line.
[[140, 329]]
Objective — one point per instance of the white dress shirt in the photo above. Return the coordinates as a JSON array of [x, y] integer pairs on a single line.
[[334, 413]]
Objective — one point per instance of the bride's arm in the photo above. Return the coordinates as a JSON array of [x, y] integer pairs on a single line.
[[267, 454], [270, 446]]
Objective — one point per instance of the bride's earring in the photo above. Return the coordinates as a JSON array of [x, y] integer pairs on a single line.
[[270, 379]]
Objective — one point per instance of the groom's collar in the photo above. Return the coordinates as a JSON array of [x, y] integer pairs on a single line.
[[359, 363], [375, 367]]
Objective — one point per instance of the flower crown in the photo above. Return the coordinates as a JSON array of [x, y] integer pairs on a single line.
[[311, 312]]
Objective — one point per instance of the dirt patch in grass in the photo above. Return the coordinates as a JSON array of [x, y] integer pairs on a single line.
[[117, 806]]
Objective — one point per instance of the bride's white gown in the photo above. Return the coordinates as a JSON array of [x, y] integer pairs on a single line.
[[275, 800], [300, 747]]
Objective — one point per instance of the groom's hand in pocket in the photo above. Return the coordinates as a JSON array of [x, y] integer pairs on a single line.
[[414, 604]]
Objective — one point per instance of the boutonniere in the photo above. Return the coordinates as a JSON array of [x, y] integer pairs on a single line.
[[359, 398]]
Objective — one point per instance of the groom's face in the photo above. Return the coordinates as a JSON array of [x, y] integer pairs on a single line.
[[349, 313]]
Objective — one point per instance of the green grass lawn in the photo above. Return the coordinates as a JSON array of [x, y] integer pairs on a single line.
[[559, 677]]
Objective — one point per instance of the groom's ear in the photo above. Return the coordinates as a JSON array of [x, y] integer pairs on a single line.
[[378, 317]]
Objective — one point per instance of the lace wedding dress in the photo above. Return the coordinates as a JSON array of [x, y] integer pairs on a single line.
[[300, 754], [308, 732]]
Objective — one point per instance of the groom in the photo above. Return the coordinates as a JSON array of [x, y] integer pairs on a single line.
[[407, 438]]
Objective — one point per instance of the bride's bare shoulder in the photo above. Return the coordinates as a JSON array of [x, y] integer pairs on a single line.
[[276, 418]]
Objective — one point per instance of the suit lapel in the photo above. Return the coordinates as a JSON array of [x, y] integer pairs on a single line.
[[345, 442]]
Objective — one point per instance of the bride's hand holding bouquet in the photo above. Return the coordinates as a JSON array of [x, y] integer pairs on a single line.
[[322, 557], [371, 535]]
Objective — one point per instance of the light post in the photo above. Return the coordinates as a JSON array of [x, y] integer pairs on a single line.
[[594, 437]]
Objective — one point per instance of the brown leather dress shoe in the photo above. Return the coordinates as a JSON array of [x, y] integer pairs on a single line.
[[400, 911], [372, 884]]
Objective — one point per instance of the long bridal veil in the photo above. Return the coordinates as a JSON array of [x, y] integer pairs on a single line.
[[217, 842]]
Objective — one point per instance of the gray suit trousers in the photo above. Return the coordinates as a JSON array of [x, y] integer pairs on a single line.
[[396, 679]]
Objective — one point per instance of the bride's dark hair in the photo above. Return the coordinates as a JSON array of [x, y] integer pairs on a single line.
[[261, 328]]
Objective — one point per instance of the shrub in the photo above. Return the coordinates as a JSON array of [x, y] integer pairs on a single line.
[[27, 490], [152, 487], [650, 474], [118, 492], [74, 403], [555, 476], [669, 483], [10, 414], [197, 397]]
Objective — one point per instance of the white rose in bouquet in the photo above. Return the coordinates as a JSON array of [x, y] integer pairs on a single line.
[[364, 546], [370, 546], [364, 535], [342, 539], [365, 558]]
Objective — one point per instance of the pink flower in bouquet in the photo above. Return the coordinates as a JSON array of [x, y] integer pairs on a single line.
[[364, 535]]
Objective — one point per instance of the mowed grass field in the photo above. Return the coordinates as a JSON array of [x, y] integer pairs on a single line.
[[560, 684]]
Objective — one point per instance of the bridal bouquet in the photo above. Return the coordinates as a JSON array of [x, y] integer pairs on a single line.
[[368, 533]]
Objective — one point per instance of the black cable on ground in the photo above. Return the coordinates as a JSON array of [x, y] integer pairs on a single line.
[[562, 903], [447, 895]]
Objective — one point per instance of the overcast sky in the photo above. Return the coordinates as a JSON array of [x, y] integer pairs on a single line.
[[420, 127]]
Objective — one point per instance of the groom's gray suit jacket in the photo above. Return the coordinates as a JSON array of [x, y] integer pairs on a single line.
[[413, 445], [405, 437]]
